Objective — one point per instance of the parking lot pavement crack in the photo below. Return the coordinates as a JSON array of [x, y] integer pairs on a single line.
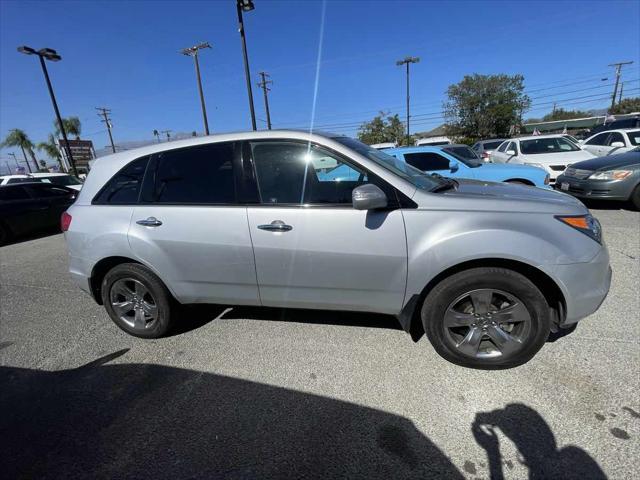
[[625, 254]]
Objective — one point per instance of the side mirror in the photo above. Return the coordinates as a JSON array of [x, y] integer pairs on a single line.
[[511, 153], [368, 197], [617, 145], [453, 166]]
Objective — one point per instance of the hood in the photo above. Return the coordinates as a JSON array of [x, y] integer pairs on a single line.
[[609, 162], [496, 196], [563, 158]]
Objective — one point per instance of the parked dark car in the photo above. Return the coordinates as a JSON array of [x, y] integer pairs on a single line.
[[484, 147], [29, 207], [612, 177], [631, 122]]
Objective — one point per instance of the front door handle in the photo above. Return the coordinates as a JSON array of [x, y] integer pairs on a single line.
[[276, 226], [149, 222]]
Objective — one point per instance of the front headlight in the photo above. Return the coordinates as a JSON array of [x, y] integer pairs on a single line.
[[610, 175], [586, 224]]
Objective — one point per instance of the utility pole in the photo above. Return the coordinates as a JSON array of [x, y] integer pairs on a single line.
[[618, 72], [264, 85], [104, 112], [156, 134], [193, 52], [554, 108], [621, 88], [407, 61], [167, 132], [246, 6]]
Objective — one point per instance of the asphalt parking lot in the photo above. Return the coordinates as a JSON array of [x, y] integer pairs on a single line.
[[265, 393]]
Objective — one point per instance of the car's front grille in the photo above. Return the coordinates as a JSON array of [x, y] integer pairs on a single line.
[[577, 173], [557, 168]]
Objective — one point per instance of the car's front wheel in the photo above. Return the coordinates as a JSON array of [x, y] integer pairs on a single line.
[[635, 198], [137, 301], [486, 318]]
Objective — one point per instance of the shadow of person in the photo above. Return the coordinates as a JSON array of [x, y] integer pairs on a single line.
[[536, 445], [153, 421]]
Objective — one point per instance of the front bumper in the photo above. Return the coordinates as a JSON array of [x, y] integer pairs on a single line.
[[603, 189], [584, 285]]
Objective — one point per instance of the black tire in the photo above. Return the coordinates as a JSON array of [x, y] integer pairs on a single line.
[[635, 198], [443, 295], [158, 296]]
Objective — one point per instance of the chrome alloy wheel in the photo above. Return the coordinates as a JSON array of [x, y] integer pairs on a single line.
[[487, 323], [133, 303]]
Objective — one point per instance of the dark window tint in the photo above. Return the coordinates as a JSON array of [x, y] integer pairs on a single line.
[[598, 139], [296, 173], [491, 145], [634, 138], [196, 175], [615, 137], [13, 193], [124, 187], [44, 191], [503, 147], [427, 161], [465, 155], [512, 147]]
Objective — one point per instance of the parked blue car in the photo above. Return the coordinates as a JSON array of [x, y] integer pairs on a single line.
[[460, 161]]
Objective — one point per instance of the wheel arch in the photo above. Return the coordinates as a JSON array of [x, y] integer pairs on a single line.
[[410, 319]]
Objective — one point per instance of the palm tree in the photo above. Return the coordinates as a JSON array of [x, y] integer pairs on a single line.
[[19, 138], [50, 148], [72, 126]]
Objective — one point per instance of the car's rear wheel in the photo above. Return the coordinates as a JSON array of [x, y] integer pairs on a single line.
[[137, 301], [635, 198], [486, 318]]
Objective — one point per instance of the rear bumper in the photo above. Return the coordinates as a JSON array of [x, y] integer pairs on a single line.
[[584, 285], [603, 189]]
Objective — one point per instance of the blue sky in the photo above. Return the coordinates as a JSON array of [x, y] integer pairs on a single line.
[[124, 55]]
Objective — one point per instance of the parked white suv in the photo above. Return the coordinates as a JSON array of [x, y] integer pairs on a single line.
[[612, 142], [552, 153], [487, 270]]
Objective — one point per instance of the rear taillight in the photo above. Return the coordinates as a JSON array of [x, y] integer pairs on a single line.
[[65, 221]]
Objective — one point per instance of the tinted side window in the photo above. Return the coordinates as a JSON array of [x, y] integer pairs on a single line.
[[124, 187], [615, 137], [503, 147], [427, 161], [13, 193], [512, 146], [295, 173], [45, 191], [598, 139], [196, 175]]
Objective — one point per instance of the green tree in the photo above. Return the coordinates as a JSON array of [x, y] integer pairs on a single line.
[[51, 150], [561, 114], [72, 126], [381, 129], [19, 138], [485, 106], [628, 105]]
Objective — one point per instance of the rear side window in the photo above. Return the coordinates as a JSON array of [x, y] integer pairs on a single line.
[[13, 193], [201, 175], [427, 161], [503, 147], [124, 187], [598, 139], [615, 137]]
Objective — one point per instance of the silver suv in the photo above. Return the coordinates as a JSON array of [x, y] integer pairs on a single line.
[[319, 221]]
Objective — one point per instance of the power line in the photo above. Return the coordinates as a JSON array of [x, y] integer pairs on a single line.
[[104, 113]]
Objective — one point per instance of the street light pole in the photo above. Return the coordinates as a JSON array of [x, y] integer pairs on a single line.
[[406, 61], [246, 6], [52, 55], [193, 52]]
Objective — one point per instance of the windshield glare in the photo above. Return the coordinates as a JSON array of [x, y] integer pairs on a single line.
[[547, 145], [403, 170], [465, 155]]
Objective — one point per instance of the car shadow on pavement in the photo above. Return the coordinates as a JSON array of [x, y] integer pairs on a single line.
[[324, 317], [153, 421], [47, 232], [607, 204], [536, 445]]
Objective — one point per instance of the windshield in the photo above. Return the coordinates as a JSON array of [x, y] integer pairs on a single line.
[[491, 145], [634, 137], [62, 180], [465, 155], [401, 169], [547, 145]]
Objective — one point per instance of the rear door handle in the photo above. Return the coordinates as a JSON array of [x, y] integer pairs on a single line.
[[276, 226], [149, 222]]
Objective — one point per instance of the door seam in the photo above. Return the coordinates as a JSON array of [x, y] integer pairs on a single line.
[[253, 252]]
